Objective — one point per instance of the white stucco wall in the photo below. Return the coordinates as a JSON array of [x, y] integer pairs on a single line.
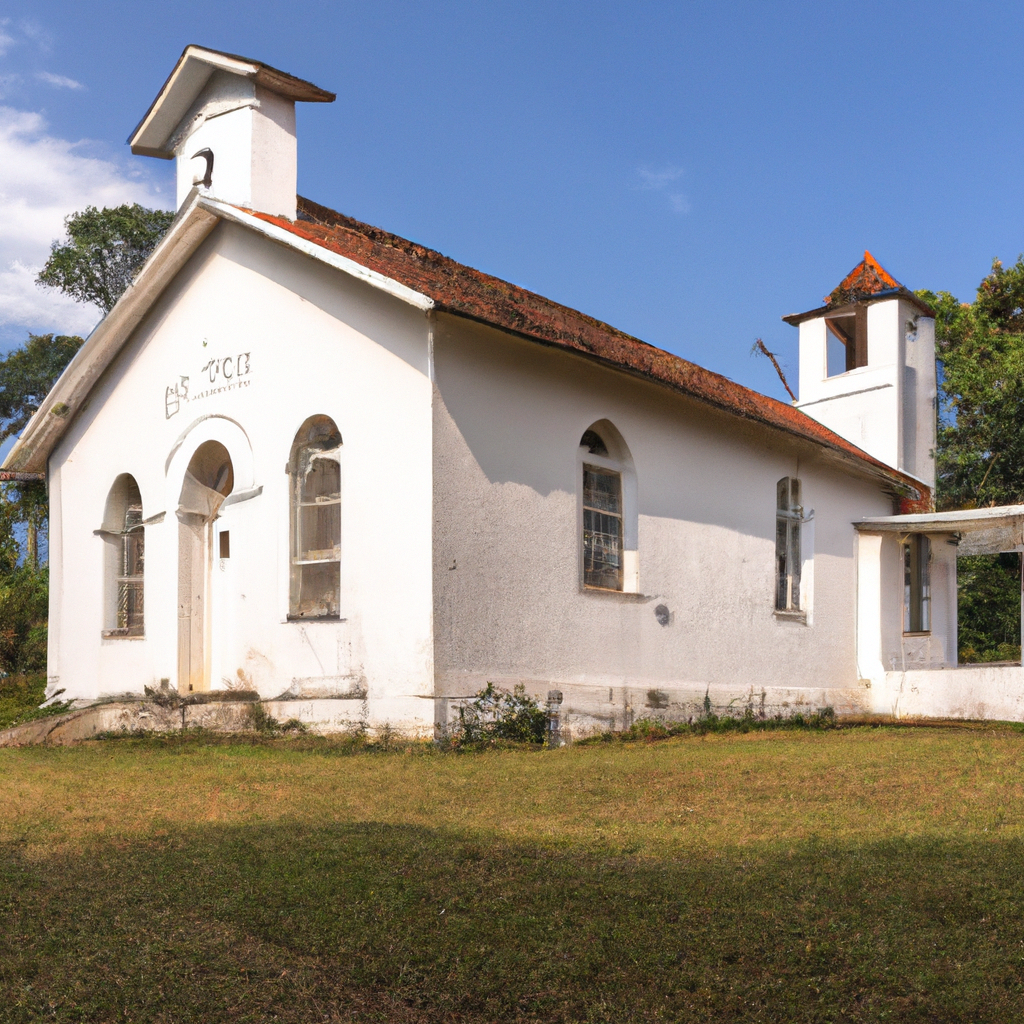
[[993, 692], [888, 406], [862, 405], [885, 652], [314, 341], [919, 415], [251, 133], [509, 607]]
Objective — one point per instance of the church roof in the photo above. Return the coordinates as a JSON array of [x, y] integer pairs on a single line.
[[462, 291], [868, 282], [430, 281]]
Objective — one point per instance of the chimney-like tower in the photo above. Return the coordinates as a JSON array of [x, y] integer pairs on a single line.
[[867, 368], [229, 122]]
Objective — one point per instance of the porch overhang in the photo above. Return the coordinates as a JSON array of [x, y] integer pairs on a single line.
[[979, 531]]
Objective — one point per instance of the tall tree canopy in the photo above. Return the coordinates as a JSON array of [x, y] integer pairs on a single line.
[[26, 376], [95, 263], [980, 348], [103, 251], [980, 454]]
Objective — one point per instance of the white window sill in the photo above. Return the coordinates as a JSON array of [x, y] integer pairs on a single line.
[[794, 616], [630, 595]]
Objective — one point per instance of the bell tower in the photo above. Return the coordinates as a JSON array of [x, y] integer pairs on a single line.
[[867, 368], [229, 123]]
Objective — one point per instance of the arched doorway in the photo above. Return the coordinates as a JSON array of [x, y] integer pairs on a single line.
[[208, 481]]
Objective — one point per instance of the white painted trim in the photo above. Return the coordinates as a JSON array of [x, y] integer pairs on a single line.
[[44, 431], [317, 252]]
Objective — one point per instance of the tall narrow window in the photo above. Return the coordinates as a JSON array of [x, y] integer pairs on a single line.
[[130, 604], [315, 471], [602, 528], [917, 598], [126, 539], [788, 521], [609, 511]]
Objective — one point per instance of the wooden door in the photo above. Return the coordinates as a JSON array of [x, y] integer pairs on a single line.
[[193, 586]]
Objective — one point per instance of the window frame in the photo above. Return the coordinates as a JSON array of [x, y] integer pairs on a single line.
[[297, 566], [917, 596], [614, 456], [789, 545], [124, 531], [608, 467]]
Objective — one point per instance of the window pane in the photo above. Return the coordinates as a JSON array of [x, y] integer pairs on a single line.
[[916, 585], [130, 581], [602, 550], [781, 563], [794, 564], [321, 476], [318, 532], [129, 606], [602, 489], [782, 494], [317, 587], [908, 590]]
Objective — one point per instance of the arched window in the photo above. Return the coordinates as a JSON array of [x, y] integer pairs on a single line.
[[124, 606], [609, 511], [315, 474], [789, 516]]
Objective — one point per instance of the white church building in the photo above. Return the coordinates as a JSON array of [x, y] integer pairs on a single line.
[[308, 458]]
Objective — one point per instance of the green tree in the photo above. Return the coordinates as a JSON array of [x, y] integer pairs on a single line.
[[980, 453], [103, 251], [980, 348], [26, 376]]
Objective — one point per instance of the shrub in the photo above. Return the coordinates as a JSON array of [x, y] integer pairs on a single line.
[[495, 714]]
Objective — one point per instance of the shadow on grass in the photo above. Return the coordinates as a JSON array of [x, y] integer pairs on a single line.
[[383, 922]]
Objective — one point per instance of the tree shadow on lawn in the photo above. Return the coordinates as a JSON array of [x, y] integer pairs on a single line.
[[383, 922]]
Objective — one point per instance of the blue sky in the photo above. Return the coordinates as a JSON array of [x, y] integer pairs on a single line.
[[689, 172]]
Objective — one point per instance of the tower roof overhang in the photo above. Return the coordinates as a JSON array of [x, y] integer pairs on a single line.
[[154, 133], [868, 282]]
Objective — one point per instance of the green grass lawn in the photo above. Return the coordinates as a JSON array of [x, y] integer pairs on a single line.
[[852, 875]]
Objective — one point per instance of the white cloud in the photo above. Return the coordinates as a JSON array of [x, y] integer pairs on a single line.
[[58, 81], [661, 181], [42, 180], [6, 39], [35, 32]]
